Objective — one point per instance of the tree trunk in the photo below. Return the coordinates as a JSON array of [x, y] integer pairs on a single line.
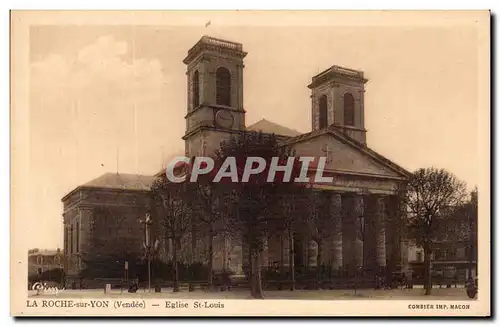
[[471, 260], [251, 270], [427, 269], [282, 257], [318, 259], [252, 275], [256, 273], [291, 259], [176, 267], [211, 261], [193, 259]]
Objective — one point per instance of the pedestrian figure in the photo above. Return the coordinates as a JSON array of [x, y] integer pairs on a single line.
[[409, 284], [471, 288], [133, 288]]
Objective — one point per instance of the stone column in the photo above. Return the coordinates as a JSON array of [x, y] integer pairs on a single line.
[[380, 228], [370, 214], [393, 233], [349, 233], [286, 248], [336, 215], [265, 252], [359, 221], [312, 253]]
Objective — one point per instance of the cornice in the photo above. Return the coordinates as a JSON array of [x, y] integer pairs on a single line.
[[213, 106]]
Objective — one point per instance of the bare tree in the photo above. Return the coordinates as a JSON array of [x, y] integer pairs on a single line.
[[320, 224], [291, 204], [207, 197], [170, 205], [430, 194], [290, 225], [254, 201], [471, 229], [462, 227]]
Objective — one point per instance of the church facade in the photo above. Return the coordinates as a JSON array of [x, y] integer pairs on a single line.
[[363, 195], [362, 198]]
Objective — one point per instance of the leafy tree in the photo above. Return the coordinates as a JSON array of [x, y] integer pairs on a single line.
[[430, 195]]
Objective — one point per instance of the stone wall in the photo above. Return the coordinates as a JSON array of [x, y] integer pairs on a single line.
[[102, 222]]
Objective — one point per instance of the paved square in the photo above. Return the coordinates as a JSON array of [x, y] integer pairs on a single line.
[[364, 294]]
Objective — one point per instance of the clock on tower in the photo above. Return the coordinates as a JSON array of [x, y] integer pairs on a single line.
[[224, 119]]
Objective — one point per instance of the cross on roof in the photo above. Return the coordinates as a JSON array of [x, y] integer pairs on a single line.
[[329, 153]]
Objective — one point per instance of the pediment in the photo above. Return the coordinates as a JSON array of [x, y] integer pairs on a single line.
[[345, 158]]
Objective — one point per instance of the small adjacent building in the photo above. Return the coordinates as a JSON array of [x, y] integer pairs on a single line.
[[44, 260], [452, 261], [101, 218]]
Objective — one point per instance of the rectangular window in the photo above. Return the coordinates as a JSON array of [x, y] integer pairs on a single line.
[[71, 239], [65, 239], [419, 257], [77, 237]]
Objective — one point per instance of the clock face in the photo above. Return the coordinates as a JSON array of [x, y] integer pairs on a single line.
[[224, 119]]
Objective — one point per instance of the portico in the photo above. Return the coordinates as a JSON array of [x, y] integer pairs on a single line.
[[362, 236]]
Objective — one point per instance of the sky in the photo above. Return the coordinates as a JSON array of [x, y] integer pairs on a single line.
[[113, 98]]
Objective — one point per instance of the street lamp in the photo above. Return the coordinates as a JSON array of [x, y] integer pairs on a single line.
[[147, 244]]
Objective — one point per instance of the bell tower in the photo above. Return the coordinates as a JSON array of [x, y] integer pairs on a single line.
[[338, 100], [215, 94]]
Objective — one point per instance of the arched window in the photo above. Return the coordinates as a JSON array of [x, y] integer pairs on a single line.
[[223, 86], [196, 89], [348, 109], [323, 112]]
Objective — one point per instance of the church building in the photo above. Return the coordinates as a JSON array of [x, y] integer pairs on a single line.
[[362, 198]]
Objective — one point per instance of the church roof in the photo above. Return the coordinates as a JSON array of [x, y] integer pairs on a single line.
[[123, 181], [118, 181], [269, 127], [44, 252], [338, 134]]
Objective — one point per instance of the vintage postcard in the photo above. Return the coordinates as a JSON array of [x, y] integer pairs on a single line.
[[250, 163]]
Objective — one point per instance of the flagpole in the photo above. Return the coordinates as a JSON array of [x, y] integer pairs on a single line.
[[134, 98]]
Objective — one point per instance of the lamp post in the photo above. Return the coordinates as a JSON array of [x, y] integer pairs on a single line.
[[361, 238], [147, 244]]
